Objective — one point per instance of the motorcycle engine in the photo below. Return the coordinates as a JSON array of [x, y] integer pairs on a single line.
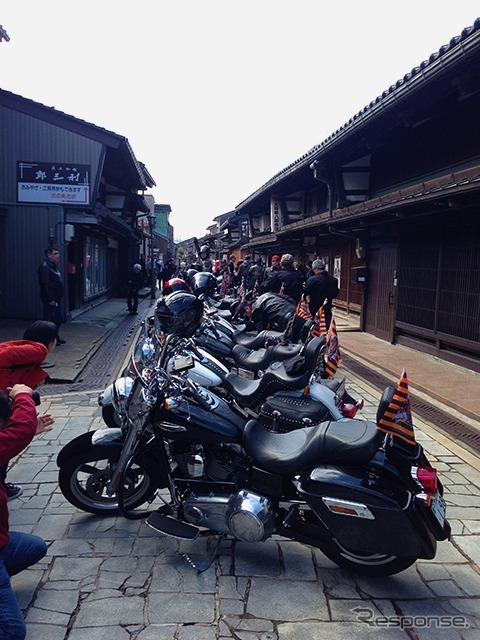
[[244, 514], [222, 463]]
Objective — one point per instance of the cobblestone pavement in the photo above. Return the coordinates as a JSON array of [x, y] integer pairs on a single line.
[[116, 579]]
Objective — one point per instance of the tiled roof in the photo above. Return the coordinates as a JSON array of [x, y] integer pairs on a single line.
[[418, 72]]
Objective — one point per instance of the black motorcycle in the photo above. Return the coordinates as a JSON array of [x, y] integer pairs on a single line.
[[367, 499]]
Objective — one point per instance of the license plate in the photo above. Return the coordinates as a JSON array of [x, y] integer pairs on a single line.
[[439, 509]]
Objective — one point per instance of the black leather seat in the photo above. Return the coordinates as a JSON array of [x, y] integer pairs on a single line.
[[343, 442], [259, 359], [250, 393]]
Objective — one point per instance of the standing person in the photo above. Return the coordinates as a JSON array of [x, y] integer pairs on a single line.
[[273, 268], [255, 274], [135, 282], [21, 363], [231, 267], [243, 268], [159, 273], [51, 289], [169, 270], [322, 289], [288, 280], [309, 272], [18, 550]]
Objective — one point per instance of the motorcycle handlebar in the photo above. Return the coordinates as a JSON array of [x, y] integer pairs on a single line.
[[195, 393]]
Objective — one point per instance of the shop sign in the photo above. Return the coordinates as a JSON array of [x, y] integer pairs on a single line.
[[53, 183]]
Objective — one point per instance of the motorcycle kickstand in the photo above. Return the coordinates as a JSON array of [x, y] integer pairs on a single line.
[[202, 562]]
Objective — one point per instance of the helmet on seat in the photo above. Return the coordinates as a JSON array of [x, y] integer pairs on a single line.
[[174, 284], [205, 283], [189, 275], [179, 313]]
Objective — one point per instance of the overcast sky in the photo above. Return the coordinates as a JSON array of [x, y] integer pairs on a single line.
[[216, 96]]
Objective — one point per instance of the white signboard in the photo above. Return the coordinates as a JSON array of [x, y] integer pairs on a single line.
[[53, 183]]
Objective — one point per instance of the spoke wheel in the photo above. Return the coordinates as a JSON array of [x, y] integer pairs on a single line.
[[84, 482]]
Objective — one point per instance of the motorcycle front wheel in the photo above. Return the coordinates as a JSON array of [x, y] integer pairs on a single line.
[[83, 482], [368, 564]]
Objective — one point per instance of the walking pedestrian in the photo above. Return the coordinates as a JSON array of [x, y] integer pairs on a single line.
[[322, 289], [51, 289], [18, 550], [135, 281]]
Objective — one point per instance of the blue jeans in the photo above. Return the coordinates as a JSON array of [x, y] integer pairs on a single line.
[[22, 550]]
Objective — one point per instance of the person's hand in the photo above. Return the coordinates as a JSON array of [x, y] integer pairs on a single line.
[[52, 303], [43, 423], [19, 388]]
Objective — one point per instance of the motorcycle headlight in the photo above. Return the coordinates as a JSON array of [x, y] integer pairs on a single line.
[[121, 390], [148, 352]]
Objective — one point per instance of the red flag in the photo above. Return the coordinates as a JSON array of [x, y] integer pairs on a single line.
[[333, 349], [242, 292], [225, 286], [397, 419], [254, 291], [319, 323]]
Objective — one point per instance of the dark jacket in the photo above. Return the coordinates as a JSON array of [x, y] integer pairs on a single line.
[[254, 274], [320, 287], [272, 311], [289, 278], [135, 281], [50, 281]]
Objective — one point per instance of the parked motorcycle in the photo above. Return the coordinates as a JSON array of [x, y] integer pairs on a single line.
[[366, 497]]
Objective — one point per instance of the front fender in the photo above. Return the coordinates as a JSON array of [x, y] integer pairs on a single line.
[[99, 438]]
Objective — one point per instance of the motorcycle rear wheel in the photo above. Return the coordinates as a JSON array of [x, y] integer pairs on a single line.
[[84, 480], [369, 564]]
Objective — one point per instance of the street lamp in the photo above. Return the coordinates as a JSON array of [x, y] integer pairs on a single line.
[[151, 224]]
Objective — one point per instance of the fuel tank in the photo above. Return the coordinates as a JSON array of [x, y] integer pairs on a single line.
[[188, 422]]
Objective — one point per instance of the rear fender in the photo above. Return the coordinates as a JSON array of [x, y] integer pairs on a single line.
[[99, 438]]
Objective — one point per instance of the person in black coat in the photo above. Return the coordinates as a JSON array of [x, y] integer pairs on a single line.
[[51, 288], [322, 288], [135, 282], [288, 280]]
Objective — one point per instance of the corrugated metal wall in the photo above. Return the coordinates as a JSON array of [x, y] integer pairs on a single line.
[[24, 230]]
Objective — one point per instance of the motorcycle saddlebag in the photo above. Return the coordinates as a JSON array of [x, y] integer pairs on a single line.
[[287, 413], [368, 511]]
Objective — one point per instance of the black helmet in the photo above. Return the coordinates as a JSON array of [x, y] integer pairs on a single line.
[[174, 284], [179, 313], [205, 249], [204, 282], [189, 275]]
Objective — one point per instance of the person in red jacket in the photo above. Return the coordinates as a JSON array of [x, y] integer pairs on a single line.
[[20, 362], [18, 425]]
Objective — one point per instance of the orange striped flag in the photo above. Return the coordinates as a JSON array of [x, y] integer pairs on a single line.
[[319, 323], [302, 309], [397, 419], [333, 349]]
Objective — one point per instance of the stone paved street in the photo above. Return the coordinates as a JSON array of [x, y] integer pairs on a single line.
[[116, 579]]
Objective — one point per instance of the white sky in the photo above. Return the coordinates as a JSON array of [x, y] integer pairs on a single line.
[[216, 96]]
